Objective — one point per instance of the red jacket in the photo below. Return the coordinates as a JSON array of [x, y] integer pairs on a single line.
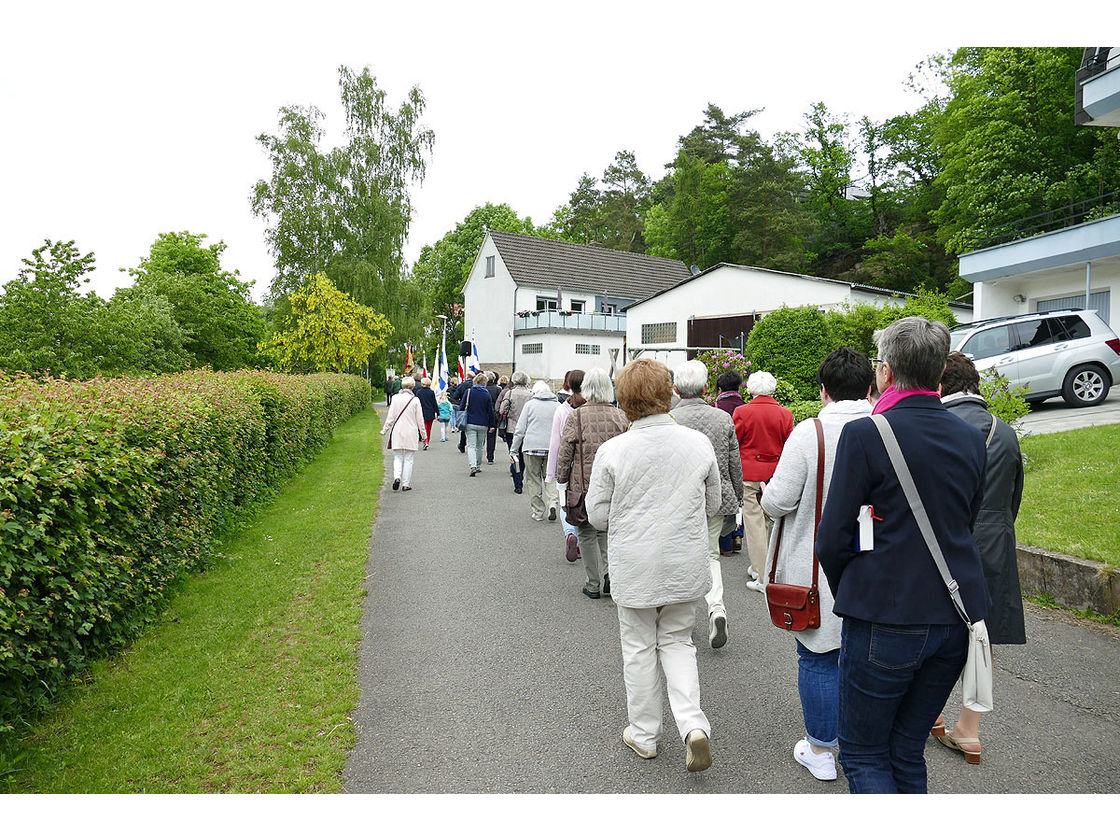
[[762, 427]]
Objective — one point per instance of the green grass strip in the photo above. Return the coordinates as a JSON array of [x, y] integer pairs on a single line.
[[247, 682], [1071, 495]]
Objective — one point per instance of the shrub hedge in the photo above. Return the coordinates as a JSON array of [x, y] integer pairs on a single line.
[[111, 490]]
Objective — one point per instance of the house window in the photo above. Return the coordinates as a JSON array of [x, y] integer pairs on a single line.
[[578, 305], [659, 333], [489, 266], [532, 349], [587, 349], [547, 303]]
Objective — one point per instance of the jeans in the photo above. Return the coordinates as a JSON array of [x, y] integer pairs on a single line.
[[568, 529], [818, 683], [476, 442], [894, 681], [454, 417]]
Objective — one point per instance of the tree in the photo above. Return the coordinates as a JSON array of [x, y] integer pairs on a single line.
[[325, 330], [791, 343], [624, 203], [221, 324], [345, 212]]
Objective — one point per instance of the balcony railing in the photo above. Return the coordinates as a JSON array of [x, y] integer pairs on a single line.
[[1048, 222], [553, 319], [1098, 60]]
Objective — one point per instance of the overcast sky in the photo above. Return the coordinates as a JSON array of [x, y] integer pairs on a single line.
[[121, 121]]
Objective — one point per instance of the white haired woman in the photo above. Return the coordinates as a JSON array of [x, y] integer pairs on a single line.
[[591, 424], [510, 405], [404, 425], [534, 428], [762, 427]]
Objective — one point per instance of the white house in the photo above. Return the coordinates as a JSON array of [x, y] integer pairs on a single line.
[[719, 306], [546, 307], [1067, 258]]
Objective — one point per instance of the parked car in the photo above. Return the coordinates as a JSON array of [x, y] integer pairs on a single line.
[[1072, 353]]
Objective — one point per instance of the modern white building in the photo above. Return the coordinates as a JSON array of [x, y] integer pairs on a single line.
[[1067, 258], [546, 307], [719, 306]]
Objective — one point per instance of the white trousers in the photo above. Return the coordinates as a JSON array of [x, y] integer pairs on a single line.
[[402, 465], [657, 652], [714, 597]]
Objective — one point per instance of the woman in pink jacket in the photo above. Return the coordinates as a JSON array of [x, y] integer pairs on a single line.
[[405, 422]]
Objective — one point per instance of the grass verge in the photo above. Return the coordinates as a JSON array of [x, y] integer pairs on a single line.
[[247, 682], [1071, 498]]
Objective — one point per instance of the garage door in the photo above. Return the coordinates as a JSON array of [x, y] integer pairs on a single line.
[[1098, 301]]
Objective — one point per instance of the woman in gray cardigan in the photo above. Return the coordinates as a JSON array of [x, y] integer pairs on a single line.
[[845, 378]]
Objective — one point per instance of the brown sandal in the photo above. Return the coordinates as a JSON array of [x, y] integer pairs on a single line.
[[938, 729], [959, 744]]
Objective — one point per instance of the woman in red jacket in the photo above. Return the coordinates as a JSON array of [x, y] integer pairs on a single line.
[[762, 427]]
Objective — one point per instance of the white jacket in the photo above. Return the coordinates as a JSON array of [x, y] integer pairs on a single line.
[[652, 490], [534, 426], [791, 493]]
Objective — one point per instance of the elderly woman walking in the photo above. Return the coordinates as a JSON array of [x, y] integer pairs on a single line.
[[690, 380], [534, 428], [653, 489], [791, 496], [573, 384], [404, 424], [591, 424], [510, 405], [476, 413], [762, 427], [903, 643]]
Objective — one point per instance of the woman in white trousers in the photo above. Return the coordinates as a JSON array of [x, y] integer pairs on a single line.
[[405, 422]]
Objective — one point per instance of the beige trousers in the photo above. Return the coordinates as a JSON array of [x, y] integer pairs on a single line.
[[756, 528]]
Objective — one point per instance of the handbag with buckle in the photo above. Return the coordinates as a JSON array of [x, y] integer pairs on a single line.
[[795, 607]]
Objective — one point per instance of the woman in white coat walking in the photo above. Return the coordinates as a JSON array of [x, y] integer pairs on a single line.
[[405, 426], [652, 490]]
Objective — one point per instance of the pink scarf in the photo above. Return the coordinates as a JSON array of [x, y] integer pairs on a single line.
[[892, 397]]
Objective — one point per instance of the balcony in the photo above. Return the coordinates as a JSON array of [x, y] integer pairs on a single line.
[[551, 319], [1097, 92]]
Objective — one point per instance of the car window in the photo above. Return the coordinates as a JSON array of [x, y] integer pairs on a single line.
[[991, 342], [1069, 328], [1033, 334]]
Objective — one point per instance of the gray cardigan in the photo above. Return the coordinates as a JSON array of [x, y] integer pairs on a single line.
[[716, 424], [791, 493]]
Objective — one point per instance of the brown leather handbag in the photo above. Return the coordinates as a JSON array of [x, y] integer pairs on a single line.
[[798, 607]]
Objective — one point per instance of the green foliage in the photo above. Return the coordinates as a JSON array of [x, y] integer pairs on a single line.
[[791, 344], [786, 392], [719, 362], [113, 490], [804, 409], [1005, 402], [221, 325], [933, 306], [854, 325], [325, 330]]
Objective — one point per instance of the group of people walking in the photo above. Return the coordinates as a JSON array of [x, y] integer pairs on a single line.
[[653, 485]]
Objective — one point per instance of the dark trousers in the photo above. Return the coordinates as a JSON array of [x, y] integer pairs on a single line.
[[463, 432], [894, 681], [491, 442], [518, 470]]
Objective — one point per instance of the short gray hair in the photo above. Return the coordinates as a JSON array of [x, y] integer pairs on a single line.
[[519, 377], [690, 378], [408, 382], [916, 350], [540, 388], [762, 383], [597, 386]]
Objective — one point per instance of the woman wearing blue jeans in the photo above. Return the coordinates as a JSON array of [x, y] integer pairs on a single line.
[[903, 644], [477, 411], [845, 378]]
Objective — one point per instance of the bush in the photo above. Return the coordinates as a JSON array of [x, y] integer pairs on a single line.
[[112, 490], [720, 361], [854, 326], [1005, 402], [791, 344]]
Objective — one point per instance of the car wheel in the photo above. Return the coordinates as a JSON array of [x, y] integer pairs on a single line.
[[1085, 385]]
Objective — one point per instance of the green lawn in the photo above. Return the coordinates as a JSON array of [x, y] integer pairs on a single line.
[[247, 682], [1071, 499]]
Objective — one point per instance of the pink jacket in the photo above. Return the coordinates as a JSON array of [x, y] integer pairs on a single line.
[[408, 421]]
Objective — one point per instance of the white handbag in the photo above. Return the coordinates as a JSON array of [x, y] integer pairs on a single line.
[[976, 678]]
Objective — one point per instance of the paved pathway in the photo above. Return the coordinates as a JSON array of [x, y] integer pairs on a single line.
[[1056, 416], [484, 670]]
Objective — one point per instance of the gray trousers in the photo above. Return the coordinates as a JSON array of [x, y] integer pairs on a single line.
[[542, 494], [593, 548]]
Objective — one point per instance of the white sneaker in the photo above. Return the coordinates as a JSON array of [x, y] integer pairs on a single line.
[[756, 586], [697, 751], [717, 632], [752, 573], [821, 765], [628, 740]]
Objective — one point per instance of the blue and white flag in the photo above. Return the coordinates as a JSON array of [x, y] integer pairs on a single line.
[[444, 372], [473, 364]]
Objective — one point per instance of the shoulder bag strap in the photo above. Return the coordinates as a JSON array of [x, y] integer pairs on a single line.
[[919, 510], [820, 495], [392, 424], [579, 440], [991, 432]]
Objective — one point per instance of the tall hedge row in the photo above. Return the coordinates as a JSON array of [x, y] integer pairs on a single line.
[[111, 490]]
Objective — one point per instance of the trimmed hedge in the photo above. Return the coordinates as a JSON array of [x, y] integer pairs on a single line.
[[111, 490]]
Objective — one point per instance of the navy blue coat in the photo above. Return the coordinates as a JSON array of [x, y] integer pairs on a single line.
[[480, 412], [897, 582], [428, 404]]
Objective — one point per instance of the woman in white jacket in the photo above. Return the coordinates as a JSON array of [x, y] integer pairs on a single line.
[[845, 378], [652, 490], [405, 422], [531, 439]]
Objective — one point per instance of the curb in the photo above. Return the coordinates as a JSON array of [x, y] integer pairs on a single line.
[[1073, 582]]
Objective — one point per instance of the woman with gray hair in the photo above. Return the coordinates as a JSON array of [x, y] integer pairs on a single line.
[[510, 405], [691, 380], [591, 424], [534, 427], [761, 427], [404, 424], [903, 643]]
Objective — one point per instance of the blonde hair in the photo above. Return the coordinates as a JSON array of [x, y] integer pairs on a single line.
[[480, 379], [644, 387]]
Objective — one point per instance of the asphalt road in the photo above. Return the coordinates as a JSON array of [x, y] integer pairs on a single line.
[[1055, 415], [483, 669]]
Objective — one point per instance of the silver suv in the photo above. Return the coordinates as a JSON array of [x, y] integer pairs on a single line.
[[1072, 353]]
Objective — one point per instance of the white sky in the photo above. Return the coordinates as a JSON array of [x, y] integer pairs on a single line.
[[119, 121]]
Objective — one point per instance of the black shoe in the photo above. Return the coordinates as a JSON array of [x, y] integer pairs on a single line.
[[396, 484], [606, 584], [518, 490], [474, 473], [462, 450], [552, 514], [405, 488], [490, 462], [594, 596]]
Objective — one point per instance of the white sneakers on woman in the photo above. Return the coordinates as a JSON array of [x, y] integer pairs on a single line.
[[821, 765]]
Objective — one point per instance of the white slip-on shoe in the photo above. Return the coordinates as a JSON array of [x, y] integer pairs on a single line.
[[821, 765], [756, 586], [697, 751], [628, 740], [717, 632]]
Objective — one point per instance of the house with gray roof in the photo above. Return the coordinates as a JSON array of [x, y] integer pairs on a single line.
[[546, 307]]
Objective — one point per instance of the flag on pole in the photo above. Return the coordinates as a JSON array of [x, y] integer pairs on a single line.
[[424, 366], [473, 365], [444, 373], [408, 363]]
